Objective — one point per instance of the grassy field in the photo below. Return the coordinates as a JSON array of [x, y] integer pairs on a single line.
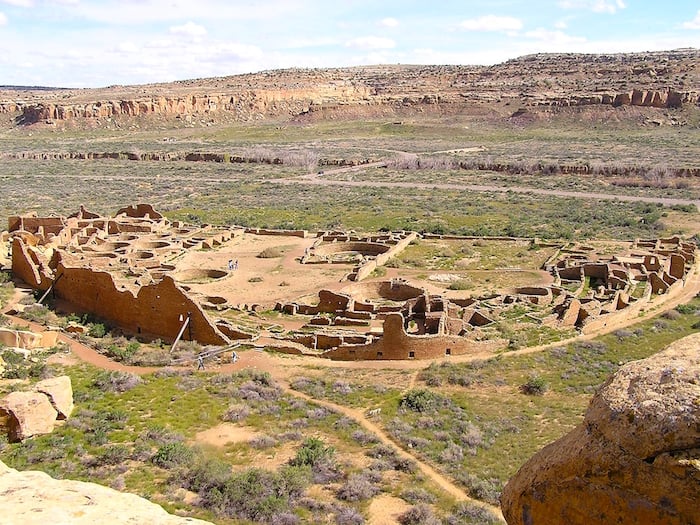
[[223, 193]]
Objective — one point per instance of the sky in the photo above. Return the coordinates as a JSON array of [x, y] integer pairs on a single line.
[[97, 43]]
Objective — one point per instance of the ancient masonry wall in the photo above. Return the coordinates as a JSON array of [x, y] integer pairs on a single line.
[[157, 309], [397, 344], [597, 324], [380, 260]]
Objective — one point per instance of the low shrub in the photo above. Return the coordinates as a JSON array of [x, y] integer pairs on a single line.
[[173, 455], [357, 487], [672, 315], [312, 452], [348, 516], [97, 330], [420, 514], [418, 495], [263, 442], [465, 512], [113, 455], [419, 400], [236, 413], [117, 381], [535, 386]]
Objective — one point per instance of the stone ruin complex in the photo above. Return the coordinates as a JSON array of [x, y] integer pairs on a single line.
[[124, 270]]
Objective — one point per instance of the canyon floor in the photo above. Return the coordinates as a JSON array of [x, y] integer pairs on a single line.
[[573, 148]]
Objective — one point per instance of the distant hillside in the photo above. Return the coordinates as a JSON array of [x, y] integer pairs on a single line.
[[665, 79], [31, 88]]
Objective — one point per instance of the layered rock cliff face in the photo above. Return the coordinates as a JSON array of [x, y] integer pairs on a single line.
[[34, 497], [660, 80], [635, 458]]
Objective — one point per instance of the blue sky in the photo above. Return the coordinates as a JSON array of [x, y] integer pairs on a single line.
[[94, 43]]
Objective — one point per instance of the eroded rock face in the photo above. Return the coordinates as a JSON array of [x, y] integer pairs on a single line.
[[35, 497], [60, 393], [31, 414], [634, 459]]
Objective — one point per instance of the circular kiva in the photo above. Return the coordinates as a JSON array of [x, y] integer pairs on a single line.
[[108, 246], [382, 290], [199, 274], [215, 299], [360, 248], [151, 245], [141, 254]]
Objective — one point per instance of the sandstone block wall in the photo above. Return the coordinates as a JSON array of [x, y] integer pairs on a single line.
[[397, 344], [156, 310]]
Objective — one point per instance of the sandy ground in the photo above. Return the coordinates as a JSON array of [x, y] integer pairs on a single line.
[[226, 433], [282, 278], [385, 510]]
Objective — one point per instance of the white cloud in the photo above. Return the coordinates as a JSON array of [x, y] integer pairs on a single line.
[[389, 22], [492, 23], [190, 29], [561, 24], [554, 38], [597, 6], [143, 11], [19, 3], [3, 19], [694, 23], [127, 47], [371, 42]]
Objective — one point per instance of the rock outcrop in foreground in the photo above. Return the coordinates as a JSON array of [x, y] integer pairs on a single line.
[[634, 459], [27, 414], [34, 497]]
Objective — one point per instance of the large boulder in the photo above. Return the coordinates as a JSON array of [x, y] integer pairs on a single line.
[[35, 498], [635, 459], [28, 414], [60, 394]]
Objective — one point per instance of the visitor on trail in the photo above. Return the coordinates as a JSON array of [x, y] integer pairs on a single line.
[[230, 265], [200, 363], [234, 357], [235, 264]]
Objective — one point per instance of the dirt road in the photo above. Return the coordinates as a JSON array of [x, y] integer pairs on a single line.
[[323, 180]]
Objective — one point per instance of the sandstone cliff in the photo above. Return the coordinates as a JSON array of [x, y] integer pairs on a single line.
[[35, 498], [660, 80], [635, 458]]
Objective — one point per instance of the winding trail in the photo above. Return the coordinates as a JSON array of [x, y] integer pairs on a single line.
[[435, 476]]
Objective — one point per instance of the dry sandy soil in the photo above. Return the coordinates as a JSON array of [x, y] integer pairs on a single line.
[[283, 278]]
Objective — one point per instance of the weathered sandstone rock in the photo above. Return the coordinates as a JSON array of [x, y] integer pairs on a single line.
[[35, 498], [31, 414], [60, 393], [634, 459]]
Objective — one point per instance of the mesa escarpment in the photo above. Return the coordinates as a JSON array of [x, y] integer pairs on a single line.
[[657, 80]]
